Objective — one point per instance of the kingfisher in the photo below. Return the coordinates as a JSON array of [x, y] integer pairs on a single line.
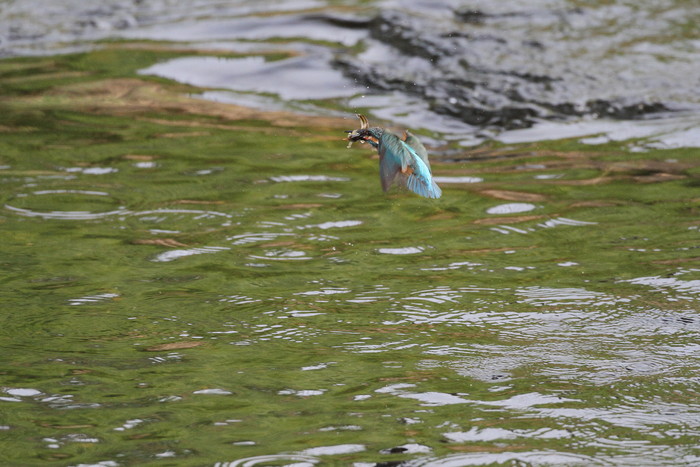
[[403, 160]]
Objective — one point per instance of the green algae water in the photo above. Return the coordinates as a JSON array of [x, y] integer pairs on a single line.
[[191, 283]]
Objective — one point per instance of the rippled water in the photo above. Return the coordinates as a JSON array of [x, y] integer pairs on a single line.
[[188, 285], [265, 314]]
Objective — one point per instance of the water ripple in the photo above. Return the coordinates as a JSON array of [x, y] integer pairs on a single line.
[[91, 299], [332, 225], [283, 255], [662, 284], [298, 460], [506, 458], [67, 215], [564, 221], [243, 239], [172, 255], [547, 296], [492, 434]]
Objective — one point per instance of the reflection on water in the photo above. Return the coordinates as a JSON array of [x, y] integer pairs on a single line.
[[511, 208], [664, 131], [308, 178], [446, 179], [175, 254], [306, 77]]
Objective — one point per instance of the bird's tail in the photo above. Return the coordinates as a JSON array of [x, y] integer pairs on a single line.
[[424, 186]]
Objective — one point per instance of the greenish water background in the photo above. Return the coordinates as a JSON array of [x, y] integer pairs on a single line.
[[195, 283]]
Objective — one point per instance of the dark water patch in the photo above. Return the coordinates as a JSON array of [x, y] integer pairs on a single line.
[[509, 69]]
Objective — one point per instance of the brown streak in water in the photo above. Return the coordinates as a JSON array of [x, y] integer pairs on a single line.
[[196, 201], [594, 204], [138, 157], [513, 195], [66, 427], [173, 346], [183, 135], [507, 220], [133, 96], [31, 173], [167, 242], [300, 206], [677, 260], [659, 177], [17, 129], [47, 76]]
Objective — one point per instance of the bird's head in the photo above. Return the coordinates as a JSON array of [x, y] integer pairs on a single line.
[[362, 134]]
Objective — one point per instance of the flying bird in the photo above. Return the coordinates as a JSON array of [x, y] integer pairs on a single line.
[[402, 160]]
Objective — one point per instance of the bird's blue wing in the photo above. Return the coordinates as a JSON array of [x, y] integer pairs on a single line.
[[424, 187], [421, 180], [388, 169], [398, 157], [393, 159], [413, 141]]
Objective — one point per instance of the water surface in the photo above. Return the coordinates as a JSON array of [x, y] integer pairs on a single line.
[[189, 282]]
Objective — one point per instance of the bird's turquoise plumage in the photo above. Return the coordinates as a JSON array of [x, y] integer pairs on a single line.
[[401, 160], [417, 146], [405, 164]]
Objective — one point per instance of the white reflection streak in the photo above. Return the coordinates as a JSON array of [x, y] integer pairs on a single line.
[[332, 225], [540, 296], [660, 283], [286, 255], [245, 238], [362, 347], [172, 255], [202, 214], [92, 298], [492, 434], [308, 178], [325, 291], [68, 215]]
